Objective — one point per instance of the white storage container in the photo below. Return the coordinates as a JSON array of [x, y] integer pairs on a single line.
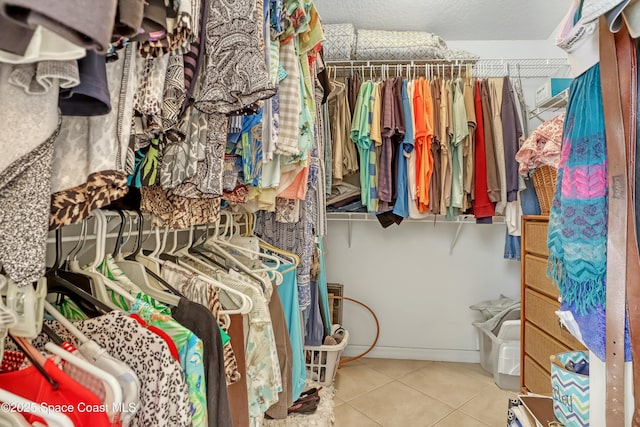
[[490, 342], [490, 350], [507, 373]]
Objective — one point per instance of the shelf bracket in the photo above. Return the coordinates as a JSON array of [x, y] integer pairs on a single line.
[[455, 237], [349, 231]]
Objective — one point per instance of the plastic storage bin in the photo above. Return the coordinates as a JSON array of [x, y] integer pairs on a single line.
[[507, 374], [322, 361], [490, 340], [500, 353]]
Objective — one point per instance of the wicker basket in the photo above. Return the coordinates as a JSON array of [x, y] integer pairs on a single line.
[[544, 181]]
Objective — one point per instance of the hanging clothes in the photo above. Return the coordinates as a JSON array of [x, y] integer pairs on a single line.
[[468, 147], [446, 123], [198, 319], [493, 180], [405, 148], [385, 160], [460, 127], [482, 208], [164, 394], [361, 136], [412, 162], [344, 153], [436, 148]]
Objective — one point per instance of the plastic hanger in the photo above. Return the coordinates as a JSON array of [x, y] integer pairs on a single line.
[[63, 270], [35, 357], [8, 321], [65, 322], [113, 390], [53, 419], [13, 419], [137, 272], [8, 318], [52, 335], [91, 269], [290, 257], [152, 262], [89, 348], [27, 305], [73, 285], [215, 240], [148, 258], [99, 289], [246, 304], [215, 244]]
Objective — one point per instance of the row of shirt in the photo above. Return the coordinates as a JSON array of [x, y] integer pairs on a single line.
[[428, 146], [182, 365]]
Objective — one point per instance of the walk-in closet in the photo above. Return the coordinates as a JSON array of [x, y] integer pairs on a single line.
[[317, 213]]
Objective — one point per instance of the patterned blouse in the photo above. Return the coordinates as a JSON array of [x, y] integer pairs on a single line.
[[164, 395], [191, 353]]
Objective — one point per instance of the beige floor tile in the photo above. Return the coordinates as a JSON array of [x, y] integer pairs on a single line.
[[489, 406], [449, 383], [459, 419], [337, 401], [354, 381], [395, 368], [346, 416], [357, 362], [397, 405], [472, 369]]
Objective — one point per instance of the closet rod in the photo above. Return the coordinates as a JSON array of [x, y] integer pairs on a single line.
[[416, 62], [438, 219], [73, 239], [523, 68], [492, 62]]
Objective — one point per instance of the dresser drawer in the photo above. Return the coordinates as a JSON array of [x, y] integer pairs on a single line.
[[541, 311], [536, 379], [535, 239], [540, 346], [535, 275]]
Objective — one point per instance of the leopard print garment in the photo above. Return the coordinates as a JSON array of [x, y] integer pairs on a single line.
[[178, 212], [74, 204]]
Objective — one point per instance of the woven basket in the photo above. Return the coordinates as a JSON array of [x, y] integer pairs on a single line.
[[544, 181]]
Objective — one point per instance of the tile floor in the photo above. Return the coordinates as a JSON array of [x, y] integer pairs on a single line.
[[411, 393]]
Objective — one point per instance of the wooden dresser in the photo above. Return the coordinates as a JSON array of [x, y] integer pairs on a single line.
[[542, 335]]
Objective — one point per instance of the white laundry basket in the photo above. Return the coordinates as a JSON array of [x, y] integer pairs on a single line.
[[322, 361]]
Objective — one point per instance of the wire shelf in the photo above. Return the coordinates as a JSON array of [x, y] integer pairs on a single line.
[[523, 68]]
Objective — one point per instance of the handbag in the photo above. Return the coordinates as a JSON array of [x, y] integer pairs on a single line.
[[570, 389]]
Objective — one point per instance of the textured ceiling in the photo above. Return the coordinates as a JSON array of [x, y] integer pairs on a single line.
[[451, 19]]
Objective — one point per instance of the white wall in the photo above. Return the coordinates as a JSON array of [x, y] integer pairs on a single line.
[[419, 291]]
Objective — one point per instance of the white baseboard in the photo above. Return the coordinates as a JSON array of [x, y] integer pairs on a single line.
[[462, 356]]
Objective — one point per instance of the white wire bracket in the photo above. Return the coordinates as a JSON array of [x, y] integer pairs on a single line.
[[461, 220]]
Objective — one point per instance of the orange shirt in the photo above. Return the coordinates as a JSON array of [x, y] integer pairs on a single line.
[[427, 154], [420, 132]]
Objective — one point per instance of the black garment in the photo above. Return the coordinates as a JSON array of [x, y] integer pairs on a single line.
[[199, 320], [91, 97]]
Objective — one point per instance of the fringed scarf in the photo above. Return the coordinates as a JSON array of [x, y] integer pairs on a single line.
[[577, 236]]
